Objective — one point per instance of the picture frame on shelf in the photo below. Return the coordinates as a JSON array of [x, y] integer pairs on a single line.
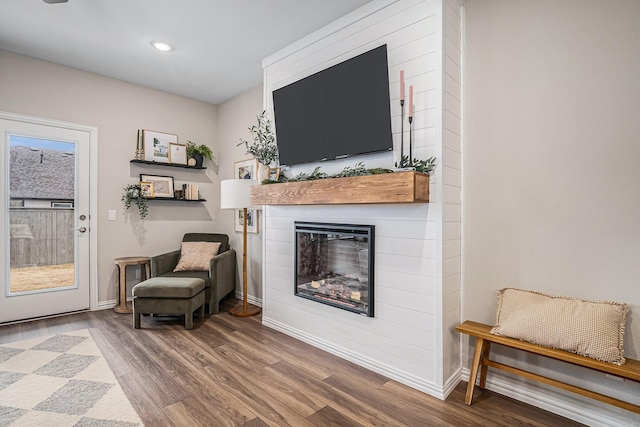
[[252, 220], [177, 154], [245, 169], [162, 185], [146, 189], [156, 145], [274, 174]]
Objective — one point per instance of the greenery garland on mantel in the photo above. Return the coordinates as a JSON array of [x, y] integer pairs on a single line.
[[424, 166]]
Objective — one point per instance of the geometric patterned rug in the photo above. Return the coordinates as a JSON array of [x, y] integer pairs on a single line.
[[60, 380]]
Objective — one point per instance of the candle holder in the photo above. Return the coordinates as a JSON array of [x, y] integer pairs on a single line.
[[410, 154], [139, 148], [401, 132]]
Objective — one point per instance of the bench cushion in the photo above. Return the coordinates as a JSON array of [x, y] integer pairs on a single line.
[[590, 328], [168, 287]]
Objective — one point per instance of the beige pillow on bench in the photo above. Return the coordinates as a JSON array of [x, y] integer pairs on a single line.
[[591, 328]]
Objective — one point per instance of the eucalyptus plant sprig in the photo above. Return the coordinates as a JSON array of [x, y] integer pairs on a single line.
[[425, 166], [263, 148], [358, 170], [133, 194], [316, 174]]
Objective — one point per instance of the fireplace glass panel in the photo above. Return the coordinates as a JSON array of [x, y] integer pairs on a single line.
[[334, 265]]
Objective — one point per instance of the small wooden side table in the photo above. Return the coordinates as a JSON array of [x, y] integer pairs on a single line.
[[122, 264]]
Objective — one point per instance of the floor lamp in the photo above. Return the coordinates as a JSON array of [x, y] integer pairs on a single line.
[[236, 194]]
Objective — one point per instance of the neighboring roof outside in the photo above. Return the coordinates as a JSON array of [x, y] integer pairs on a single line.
[[52, 179]]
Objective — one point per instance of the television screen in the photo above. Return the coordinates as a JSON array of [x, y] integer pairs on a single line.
[[338, 112]]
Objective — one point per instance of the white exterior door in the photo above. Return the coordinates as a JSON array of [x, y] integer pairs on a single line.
[[45, 217]]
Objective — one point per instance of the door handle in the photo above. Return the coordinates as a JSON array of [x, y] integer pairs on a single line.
[[81, 229]]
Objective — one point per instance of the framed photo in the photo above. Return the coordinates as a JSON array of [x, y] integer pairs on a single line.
[[246, 169], [274, 174], [156, 145], [162, 185], [177, 153], [252, 220], [146, 189]]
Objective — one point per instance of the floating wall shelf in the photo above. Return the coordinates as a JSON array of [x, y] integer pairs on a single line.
[[166, 199], [171, 165]]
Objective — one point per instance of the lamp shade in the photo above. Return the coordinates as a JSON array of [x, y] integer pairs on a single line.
[[236, 193]]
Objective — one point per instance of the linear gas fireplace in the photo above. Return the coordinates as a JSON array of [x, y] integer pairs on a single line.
[[334, 265]]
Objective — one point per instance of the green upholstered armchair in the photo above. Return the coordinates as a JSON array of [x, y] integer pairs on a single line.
[[219, 281]]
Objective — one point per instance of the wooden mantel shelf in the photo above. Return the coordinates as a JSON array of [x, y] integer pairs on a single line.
[[400, 187]]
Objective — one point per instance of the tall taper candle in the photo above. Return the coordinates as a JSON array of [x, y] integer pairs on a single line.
[[401, 85], [411, 101], [137, 157]]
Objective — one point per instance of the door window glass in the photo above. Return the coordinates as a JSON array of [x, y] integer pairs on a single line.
[[41, 214]]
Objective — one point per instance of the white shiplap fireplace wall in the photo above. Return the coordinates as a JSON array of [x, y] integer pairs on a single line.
[[417, 258]]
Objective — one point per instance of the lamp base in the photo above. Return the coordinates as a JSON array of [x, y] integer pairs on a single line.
[[238, 311]]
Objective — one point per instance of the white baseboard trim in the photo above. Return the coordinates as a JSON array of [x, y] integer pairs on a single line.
[[452, 382], [566, 404], [390, 372], [250, 299], [105, 305]]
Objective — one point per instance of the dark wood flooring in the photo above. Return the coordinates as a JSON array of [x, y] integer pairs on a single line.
[[231, 371]]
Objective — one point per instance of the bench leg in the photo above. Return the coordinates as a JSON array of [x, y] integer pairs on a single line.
[[481, 351], [486, 347], [136, 320]]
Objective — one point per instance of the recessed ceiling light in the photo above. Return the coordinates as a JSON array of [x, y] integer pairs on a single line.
[[161, 46]]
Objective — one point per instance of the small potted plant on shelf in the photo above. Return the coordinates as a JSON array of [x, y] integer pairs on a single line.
[[133, 195], [198, 153], [263, 148]]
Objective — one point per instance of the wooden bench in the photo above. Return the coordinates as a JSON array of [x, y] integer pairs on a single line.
[[630, 370]]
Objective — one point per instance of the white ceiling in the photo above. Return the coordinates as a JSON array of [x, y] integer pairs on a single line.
[[218, 44]]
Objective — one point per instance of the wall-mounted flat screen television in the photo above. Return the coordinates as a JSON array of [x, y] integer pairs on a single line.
[[338, 112]]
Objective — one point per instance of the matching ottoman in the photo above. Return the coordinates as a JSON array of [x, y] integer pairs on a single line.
[[169, 295]]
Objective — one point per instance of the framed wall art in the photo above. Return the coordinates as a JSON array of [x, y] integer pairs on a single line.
[[162, 185], [245, 169], [177, 153], [252, 220], [156, 145]]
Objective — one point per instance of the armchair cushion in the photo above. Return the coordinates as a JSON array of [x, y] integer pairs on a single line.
[[196, 256]]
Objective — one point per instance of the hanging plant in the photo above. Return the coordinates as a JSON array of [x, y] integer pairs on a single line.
[[133, 195]]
